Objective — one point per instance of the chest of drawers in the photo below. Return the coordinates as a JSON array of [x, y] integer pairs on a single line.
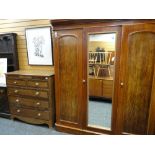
[[101, 87], [31, 96]]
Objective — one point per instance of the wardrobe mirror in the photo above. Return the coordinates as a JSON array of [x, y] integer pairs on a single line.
[[101, 61]]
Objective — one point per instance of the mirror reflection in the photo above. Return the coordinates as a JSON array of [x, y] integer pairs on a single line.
[[101, 54]]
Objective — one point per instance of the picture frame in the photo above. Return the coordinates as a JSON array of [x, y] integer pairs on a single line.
[[39, 46]]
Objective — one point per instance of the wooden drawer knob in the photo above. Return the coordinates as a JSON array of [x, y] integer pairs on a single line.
[[37, 93], [16, 91], [17, 100], [15, 82], [1, 91], [38, 103], [18, 110], [37, 84], [39, 114]]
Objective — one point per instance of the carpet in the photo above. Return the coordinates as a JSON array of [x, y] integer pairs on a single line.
[[99, 113], [15, 127]]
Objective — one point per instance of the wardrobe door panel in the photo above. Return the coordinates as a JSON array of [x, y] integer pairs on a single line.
[[151, 120], [139, 59], [69, 77]]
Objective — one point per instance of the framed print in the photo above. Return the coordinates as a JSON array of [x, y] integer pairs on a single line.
[[3, 70], [39, 46]]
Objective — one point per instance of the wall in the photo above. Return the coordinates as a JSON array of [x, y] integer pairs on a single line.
[[18, 26]]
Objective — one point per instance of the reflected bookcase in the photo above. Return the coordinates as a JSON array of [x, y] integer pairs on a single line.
[[8, 49], [101, 66]]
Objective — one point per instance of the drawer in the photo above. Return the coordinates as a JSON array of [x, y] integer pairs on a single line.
[[28, 92], [107, 83], [16, 82], [30, 113], [107, 95], [17, 77], [28, 77], [19, 101], [37, 84], [40, 78], [110, 88]]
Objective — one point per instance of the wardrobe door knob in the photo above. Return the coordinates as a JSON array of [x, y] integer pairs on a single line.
[[84, 81], [122, 84]]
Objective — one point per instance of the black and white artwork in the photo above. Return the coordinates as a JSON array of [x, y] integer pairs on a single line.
[[39, 46]]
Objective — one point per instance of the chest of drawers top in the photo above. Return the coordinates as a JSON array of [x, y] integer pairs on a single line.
[[28, 78], [29, 74]]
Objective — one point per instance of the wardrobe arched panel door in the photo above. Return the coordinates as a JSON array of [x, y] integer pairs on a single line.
[[68, 77], [136, 82]]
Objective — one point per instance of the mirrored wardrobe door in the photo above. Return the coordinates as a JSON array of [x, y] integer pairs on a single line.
[[102, 51]]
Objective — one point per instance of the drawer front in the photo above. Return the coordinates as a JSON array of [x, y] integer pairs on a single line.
[[28, 92], [30, 113], [107, 88], [37, 84], [108, 83], [18, 101], [107, 94], [44, 78], [28, 77], [18, 77], [16, 82]]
